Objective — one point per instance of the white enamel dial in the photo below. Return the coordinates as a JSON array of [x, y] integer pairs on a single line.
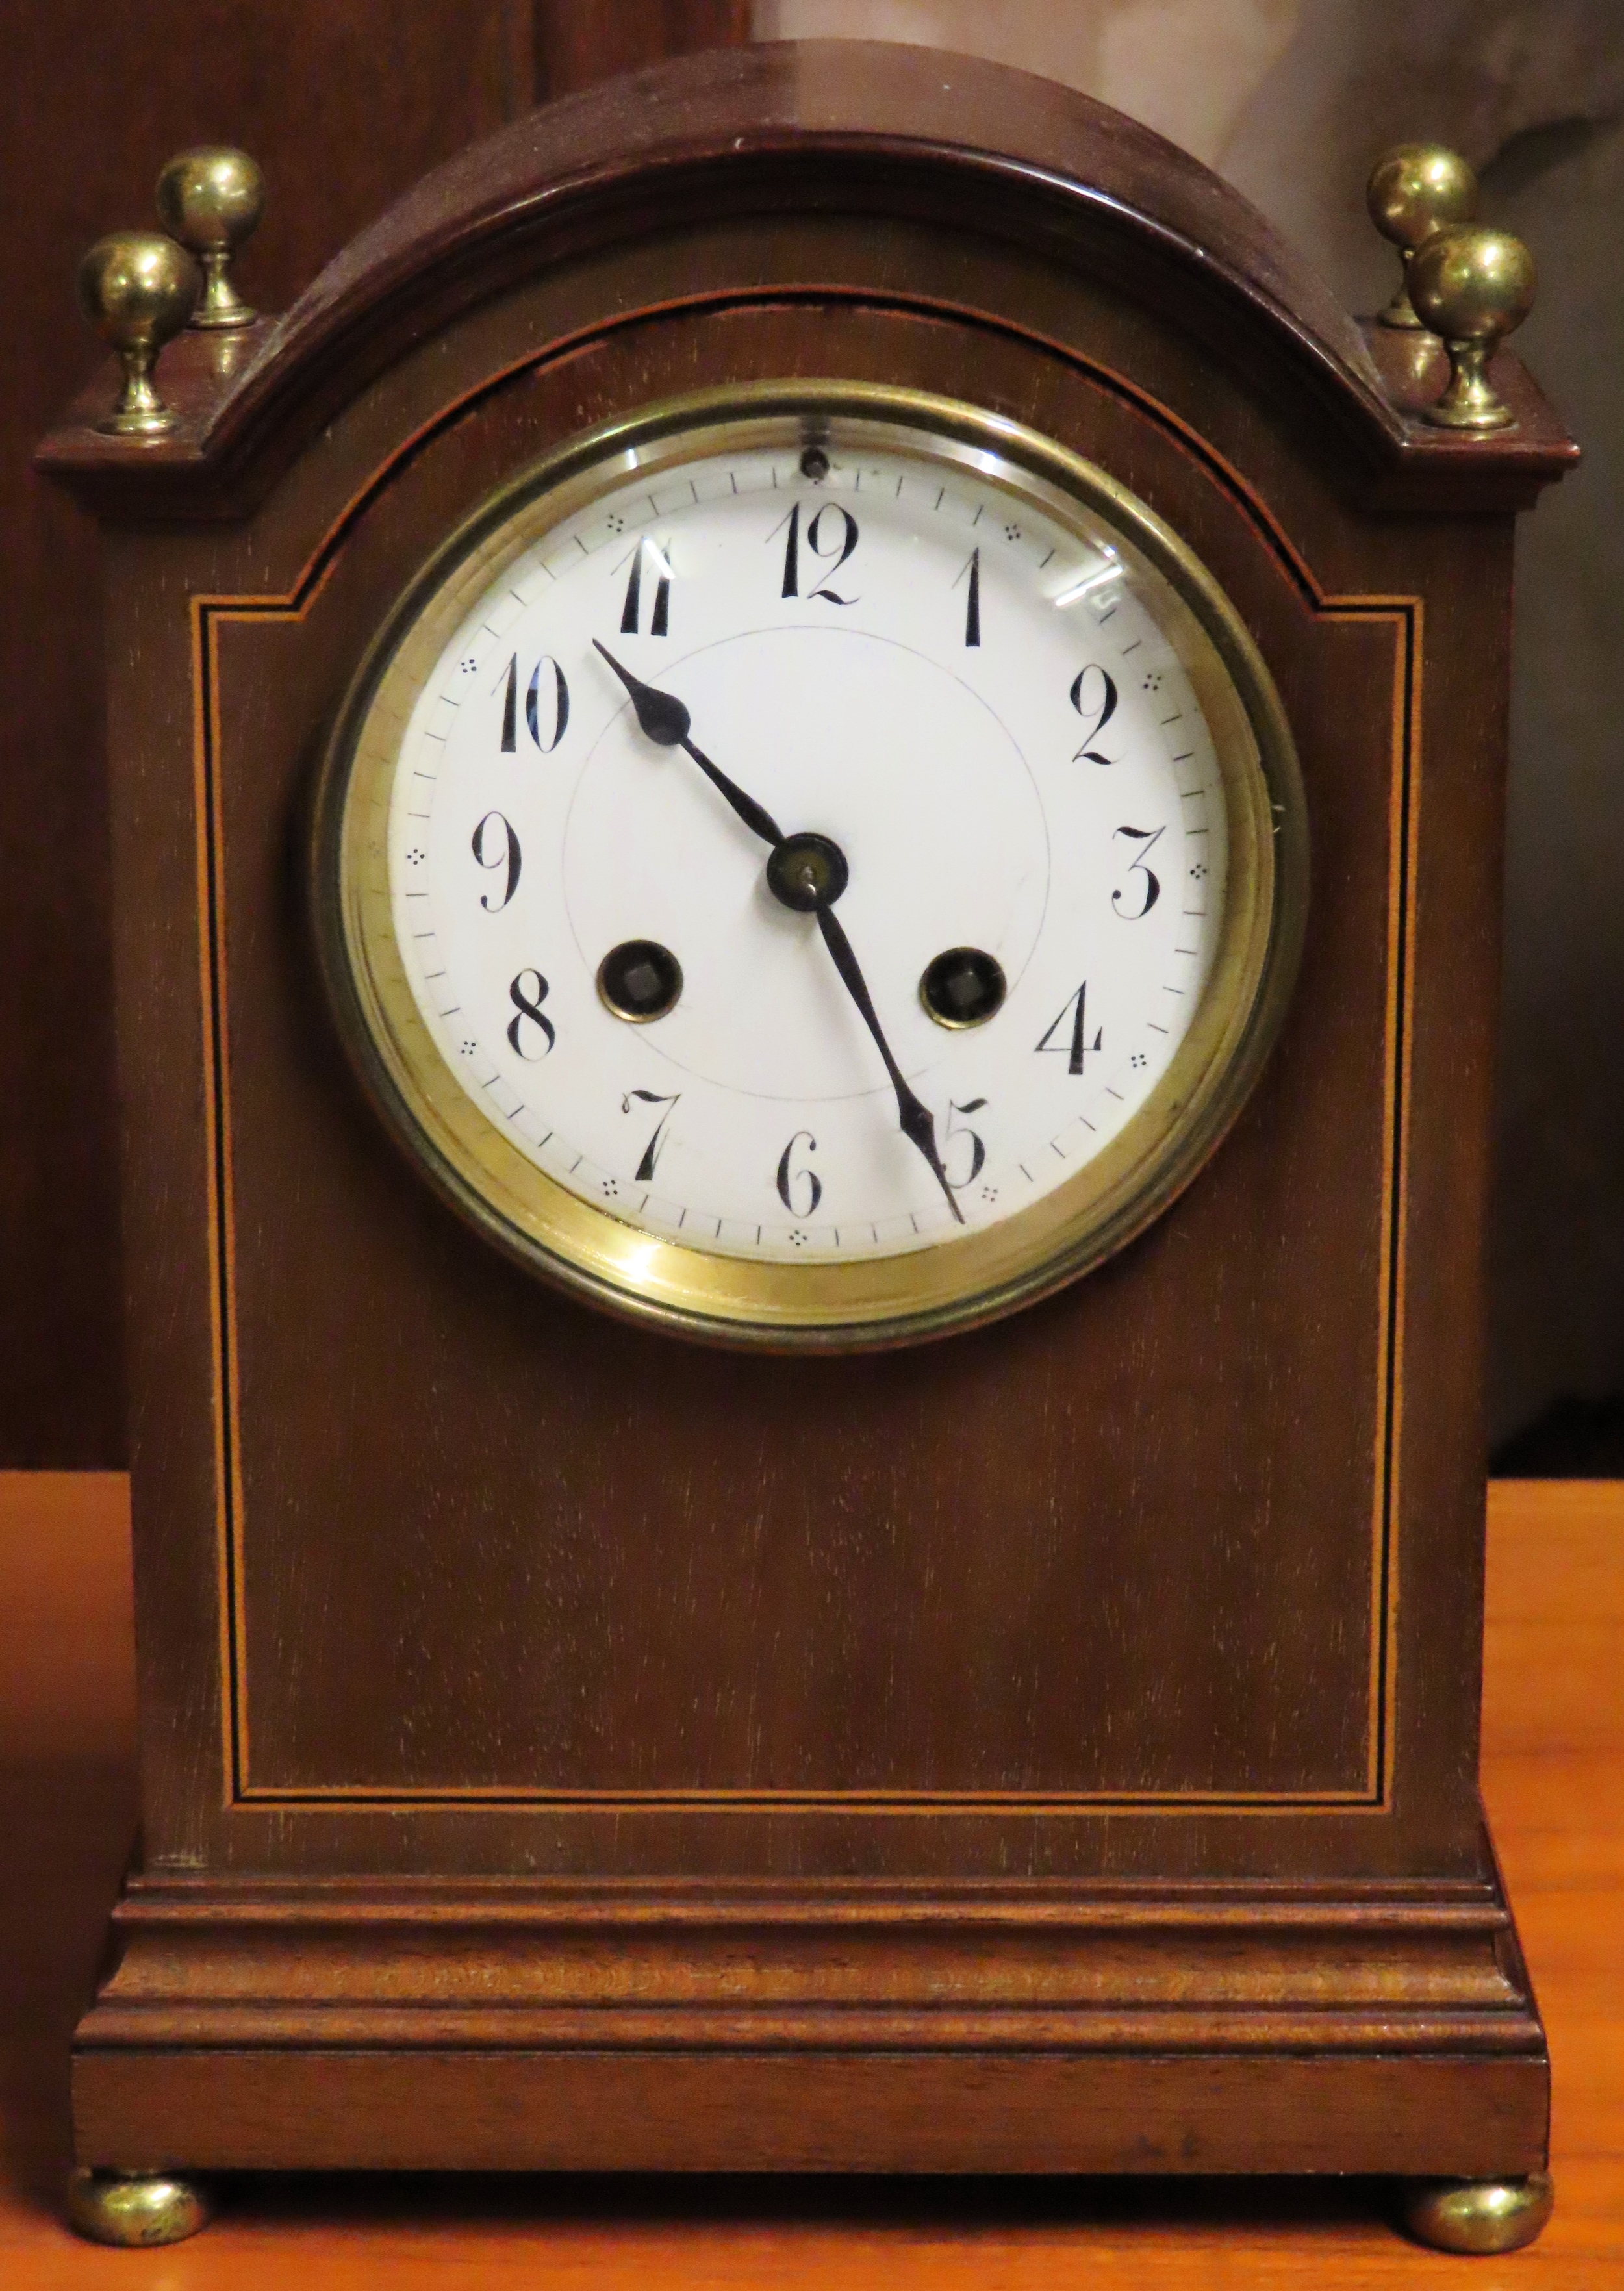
[[979, 699]]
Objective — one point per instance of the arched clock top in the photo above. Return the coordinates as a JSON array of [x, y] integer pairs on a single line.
[[832, 127]]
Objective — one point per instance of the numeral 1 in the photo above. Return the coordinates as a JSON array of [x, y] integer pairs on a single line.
[[972, 606], [659, 556]]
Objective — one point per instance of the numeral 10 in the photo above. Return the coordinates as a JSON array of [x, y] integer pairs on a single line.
[[546, 705]]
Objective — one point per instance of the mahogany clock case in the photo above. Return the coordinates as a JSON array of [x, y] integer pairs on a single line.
[[1051, 1748]]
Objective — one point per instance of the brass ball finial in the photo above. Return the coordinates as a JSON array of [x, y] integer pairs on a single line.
[[1473, 287], [211, 199], [138, 289], [1415, 190]]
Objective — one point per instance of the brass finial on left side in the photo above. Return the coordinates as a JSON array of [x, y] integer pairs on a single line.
[[211, 199], [1415, 190], [138, 289]]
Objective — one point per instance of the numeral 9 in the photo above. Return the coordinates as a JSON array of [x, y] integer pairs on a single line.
[[495, 846]]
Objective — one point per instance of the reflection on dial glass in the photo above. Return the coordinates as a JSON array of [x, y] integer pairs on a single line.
[[979, 707]]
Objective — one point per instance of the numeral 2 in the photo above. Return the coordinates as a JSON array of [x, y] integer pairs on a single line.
[[1093, 699]]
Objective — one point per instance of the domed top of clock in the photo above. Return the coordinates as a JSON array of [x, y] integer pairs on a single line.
[[899, 134]]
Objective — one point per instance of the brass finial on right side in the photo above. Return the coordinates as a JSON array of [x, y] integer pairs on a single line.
[[1415, 190], [138, 289], [210, 200], [1473, 287]]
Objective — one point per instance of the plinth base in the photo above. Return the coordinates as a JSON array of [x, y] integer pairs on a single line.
[[832, 2027]]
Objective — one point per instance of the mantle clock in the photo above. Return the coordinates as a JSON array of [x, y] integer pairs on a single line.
[[807, 787]]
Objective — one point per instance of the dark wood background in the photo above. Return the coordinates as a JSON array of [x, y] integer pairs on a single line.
[[343, 106]]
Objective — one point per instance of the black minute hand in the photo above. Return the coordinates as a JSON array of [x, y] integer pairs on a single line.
[[662, 719], [917, 1125]]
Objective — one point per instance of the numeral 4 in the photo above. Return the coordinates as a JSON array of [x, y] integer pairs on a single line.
[[1072, 1026]]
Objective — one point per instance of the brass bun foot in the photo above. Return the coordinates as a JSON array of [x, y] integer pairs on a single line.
[[1478, 2216], [132, 2209]]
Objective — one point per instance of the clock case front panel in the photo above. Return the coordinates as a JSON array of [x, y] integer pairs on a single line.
[[1101, 1684]]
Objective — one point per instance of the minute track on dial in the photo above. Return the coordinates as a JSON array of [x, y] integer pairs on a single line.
[[806, 873]]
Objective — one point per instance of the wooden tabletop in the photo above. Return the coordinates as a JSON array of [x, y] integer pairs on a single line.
[[1553, 1776]]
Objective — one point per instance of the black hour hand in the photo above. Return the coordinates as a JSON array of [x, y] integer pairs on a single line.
[[660, 716], [662, 719]]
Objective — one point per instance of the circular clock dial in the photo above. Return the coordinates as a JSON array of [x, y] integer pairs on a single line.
[[806, 873]]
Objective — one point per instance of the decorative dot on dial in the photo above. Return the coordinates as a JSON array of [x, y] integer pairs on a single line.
[[640, 980], [962, 986]]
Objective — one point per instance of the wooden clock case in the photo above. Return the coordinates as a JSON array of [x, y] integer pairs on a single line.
[[1052, 1750]]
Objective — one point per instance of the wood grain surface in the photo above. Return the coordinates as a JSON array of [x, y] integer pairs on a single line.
[[1554, 1769], [298, 82], [1256, 1322], [81, 159]]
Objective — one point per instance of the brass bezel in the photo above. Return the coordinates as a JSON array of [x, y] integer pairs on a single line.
[[865, 1302]]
